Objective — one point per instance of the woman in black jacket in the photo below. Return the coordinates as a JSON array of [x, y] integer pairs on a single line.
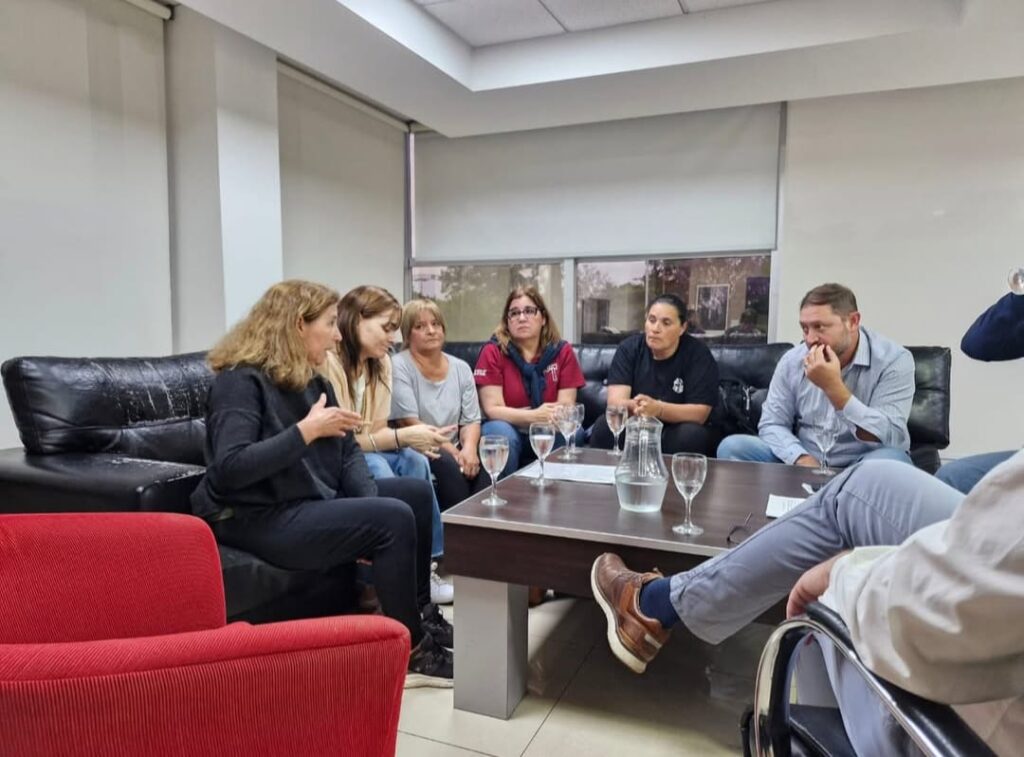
[[286, 481]]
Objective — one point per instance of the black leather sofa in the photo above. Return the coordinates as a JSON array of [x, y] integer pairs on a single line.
[[127, 434], [118, 434], [750, 367]]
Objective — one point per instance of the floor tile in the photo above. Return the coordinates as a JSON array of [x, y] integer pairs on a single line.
[[429, 712], [567, 620], [415, 746], [609, 710]]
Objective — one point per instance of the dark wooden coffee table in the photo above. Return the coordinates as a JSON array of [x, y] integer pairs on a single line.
[[550, 537]]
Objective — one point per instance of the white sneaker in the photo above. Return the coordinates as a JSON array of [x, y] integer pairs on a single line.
[[441, 590]]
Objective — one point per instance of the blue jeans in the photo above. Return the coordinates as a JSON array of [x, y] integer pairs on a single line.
[[519, 450], [409, 462], [752, 449], [964, 473]]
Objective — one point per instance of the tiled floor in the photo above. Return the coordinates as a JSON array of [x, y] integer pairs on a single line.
[[582, 701]]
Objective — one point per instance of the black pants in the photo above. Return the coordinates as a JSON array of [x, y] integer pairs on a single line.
[[676, 437], [452, 486], [393, 530]]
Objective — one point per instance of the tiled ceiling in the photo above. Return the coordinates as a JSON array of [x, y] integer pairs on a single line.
[[491, 22]]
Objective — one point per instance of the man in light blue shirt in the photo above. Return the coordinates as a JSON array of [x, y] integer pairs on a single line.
[[866, 380]]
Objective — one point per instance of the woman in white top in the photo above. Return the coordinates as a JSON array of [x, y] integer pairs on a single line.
[[434, 388]]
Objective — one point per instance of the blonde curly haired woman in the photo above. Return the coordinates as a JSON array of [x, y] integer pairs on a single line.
[[285, 478]]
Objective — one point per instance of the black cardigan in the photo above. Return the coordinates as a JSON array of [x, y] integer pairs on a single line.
[[255, 455]]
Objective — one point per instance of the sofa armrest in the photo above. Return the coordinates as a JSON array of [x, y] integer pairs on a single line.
[[326, 686], [81, 576], [93, 482]]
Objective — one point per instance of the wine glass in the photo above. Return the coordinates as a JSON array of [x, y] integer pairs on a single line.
[[578, 413], [616, 416], [825, 434], [565, 419], [493, 456], [689, 471], [542, 439], [1017, 280]]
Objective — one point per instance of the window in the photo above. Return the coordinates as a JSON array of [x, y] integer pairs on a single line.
[[471, 296], [727, 297]]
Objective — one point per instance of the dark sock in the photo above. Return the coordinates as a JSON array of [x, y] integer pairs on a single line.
[[655, 602]]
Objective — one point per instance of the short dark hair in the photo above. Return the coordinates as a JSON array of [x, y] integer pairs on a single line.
[[670, 299], [842, 299]]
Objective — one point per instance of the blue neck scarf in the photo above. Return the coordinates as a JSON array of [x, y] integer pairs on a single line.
[[533, 373]]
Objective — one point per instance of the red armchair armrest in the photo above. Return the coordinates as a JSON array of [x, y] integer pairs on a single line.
[[81, 576], [311, 687]]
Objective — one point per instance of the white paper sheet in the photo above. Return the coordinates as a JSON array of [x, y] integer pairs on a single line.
[[584, 474], [779, 506]]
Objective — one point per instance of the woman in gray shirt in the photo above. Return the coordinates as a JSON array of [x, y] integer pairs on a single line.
[[430, 386]]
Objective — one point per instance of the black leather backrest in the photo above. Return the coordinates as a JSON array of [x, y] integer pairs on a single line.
[[929, 415], [754, 365], [468, 351], [152, 408]]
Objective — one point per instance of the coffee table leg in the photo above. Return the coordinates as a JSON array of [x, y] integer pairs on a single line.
[[490, 646]]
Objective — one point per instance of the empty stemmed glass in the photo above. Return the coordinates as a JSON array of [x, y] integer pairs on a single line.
[[825, 434], [616, 416], [689, 471], [542, 439], [493, 456]]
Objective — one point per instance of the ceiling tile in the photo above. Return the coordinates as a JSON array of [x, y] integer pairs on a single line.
[[489, 22], [577, 15], [696, 6]]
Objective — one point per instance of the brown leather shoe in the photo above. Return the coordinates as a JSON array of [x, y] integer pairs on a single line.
[[634, 638]]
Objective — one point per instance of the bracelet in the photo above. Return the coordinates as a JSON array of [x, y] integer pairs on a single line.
[[398, 444]]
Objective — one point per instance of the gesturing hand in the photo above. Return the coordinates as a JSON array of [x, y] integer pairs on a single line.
[[810, 586], [323, 421]]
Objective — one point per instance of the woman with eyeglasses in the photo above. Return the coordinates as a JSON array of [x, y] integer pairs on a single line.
[[667, 374], [524, 372]]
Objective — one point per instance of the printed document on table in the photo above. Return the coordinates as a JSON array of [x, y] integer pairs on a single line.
[[779, 506], [584, 474]]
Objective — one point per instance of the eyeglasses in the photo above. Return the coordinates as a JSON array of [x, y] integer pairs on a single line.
[[738, 533], [528, 311]]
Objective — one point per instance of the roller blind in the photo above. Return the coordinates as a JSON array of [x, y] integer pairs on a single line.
[[342, 190], [692, 182]]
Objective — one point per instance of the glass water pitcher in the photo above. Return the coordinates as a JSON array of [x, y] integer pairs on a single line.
[[641, 476]]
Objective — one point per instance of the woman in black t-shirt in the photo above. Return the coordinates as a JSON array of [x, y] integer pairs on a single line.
[[668, 374]]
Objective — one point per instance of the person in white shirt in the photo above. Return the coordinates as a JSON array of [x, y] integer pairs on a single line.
[[930, 583]]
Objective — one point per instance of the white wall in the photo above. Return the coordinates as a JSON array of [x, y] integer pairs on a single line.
[[915, 199], [83, 185], [342, 191], [224, 176]]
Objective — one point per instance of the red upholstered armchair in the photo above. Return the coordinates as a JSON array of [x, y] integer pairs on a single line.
[[113, 642]]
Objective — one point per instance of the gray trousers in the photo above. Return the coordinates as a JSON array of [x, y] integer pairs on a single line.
[[869, 504]]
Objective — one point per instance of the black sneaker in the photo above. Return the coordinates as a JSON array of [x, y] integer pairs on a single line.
[[429, 665], [435, 625]]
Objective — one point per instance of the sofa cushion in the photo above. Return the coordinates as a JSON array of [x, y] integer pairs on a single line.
[[150, 408]]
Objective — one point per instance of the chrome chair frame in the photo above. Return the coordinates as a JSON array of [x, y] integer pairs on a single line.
[[935, 728]]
